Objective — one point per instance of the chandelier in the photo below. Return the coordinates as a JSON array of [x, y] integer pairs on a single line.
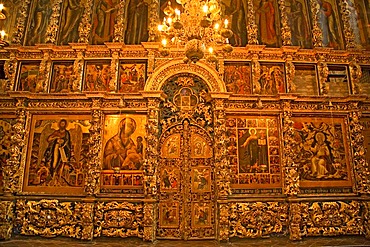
[[198, 27], [2, 32]]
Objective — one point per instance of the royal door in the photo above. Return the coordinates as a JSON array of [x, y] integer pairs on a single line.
[[186, 184]]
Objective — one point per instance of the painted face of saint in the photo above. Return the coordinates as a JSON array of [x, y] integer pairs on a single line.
[[127, 127], [62, 124]]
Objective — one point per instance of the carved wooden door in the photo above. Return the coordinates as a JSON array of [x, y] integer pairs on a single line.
[[186, 184]]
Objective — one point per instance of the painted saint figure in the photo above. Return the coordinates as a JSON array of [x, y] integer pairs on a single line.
[[39, 22], [137, 22], [58, 150], [103, 23], [120, 150], [73, 10], [266, 22], [321, 156], [298, 25], [327, 24]]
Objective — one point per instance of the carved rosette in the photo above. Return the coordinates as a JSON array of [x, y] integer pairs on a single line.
[[53, 27], [316, 31], [21, 23], [119, 26], [348, 28], [149, 221], [118, 219], [44, 73], [51, 218], [290, 74], [291, 181], [10, 69], [286, 34], [258, 219], [84, 28], [12, 171], [78, 68], [92, 181], [296, 215], [223, 222], [323, 77], [356, 74], [114, 71], [152, 153], [252, 29], [256, 74], [361, 170], [6, 219]]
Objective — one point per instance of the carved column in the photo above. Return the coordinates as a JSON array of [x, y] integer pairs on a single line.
[[355, 73], [114, 48], [222, 168], [78, 69], [21, 23], [153, 16], [366, 218], [323, 77], [150, 166], [84, 27], [44, 72], [362, 174], [119, 26], [290, 74], [295, 221], [6, 219], [316, 31], [12, 171], [286, 34], [291, 177], [256, 74], [252, 29], [348, 29], [53, 27], [92, 181], [10, 69]]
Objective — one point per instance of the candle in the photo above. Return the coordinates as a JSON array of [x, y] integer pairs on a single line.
[[2, 34], [226, 22]]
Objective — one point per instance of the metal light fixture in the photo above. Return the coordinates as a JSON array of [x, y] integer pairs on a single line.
[[2, 15], [199, 29]]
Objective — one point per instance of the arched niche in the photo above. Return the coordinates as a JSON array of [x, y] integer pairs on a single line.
[[208, 74]]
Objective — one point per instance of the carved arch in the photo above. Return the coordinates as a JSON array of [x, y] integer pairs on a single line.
[[176, 66]]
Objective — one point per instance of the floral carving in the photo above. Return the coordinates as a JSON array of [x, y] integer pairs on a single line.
[[6, 219]]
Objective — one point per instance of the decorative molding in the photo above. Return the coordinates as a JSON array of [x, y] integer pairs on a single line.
[[53, 27]]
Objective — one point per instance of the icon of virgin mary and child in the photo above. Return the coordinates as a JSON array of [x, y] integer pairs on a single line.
[[121, 152]]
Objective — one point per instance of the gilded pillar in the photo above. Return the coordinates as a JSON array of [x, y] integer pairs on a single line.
[[295, 221], [12, 171], [53, 27], [119, 26], [6, 219], [44, 72], [150, 167], [286, 34], [84, 27], [361, 169], [10, 69], [256, 74], [78, 69], [348, 29], [323, 77], [92, 181], [355, 73], [252, 29], [290, 168], [21, 23], [290, 74], [153, 16], [222, 168], [316, 31]]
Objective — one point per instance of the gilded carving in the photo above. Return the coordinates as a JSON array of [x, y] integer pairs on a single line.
[[53, 27], [120, 22], [51, 218], [6, 219], [84, 27], [360, 165], [355, 73], [77, 74], [94, 162], [44, 73], [12, 171], [258, 219], [153, 19], [223, 221], [114, 71], [118, 219], [291, 183], [252, 29], [323, 77], [10, 69], [21, 23], [347, 8], [286, 34], [290, 74], [316, 31]]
